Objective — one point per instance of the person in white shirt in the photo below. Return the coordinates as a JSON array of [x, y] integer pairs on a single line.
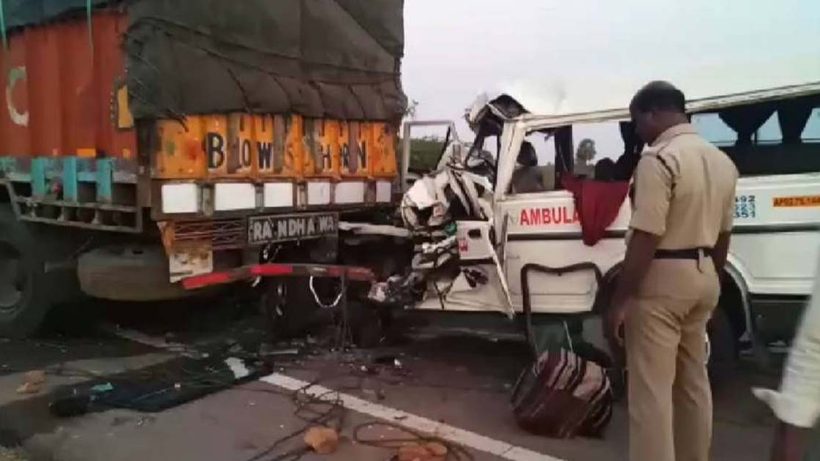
[[797, 404]]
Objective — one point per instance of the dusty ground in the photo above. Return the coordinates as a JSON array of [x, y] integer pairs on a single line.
[[461, 381]]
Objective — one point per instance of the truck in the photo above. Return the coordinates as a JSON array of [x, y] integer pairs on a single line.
[[150, 150]]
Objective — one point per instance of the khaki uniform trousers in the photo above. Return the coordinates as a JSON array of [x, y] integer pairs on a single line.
[[670, 402]]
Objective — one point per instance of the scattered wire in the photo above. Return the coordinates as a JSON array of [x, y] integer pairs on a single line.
[[324, 409], [319, 301], [454, 452]]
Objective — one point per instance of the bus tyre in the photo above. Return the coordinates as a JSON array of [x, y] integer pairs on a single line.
[[722, 345], [24, 299]]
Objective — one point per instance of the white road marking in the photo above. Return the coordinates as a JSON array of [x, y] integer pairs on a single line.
[[418, 423]]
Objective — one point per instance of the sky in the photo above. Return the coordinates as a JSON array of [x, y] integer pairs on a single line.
[[456, 49]]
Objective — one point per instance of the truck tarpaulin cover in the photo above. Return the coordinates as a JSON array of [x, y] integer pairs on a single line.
[[19, 13], [318, 58]]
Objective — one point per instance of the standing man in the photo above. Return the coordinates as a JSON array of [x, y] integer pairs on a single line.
[[668, 287], [797, 405]]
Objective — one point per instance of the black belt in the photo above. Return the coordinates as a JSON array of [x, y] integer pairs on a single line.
[[687, 253]]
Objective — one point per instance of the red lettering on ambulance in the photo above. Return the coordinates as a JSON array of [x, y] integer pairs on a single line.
[[535, 217], [546, 216]]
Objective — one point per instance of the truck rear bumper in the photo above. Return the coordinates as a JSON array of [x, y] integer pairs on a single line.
[[250, 272]]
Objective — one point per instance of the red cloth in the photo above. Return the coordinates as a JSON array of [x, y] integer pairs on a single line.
[[597, 204]]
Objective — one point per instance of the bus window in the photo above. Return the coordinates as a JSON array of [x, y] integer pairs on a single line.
[[769, 132], [715, 130], [597, 147], [605, 151], [534, 166], [773, 138], [811, 133]]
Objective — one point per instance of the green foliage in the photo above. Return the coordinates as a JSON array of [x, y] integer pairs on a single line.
[[425, 153]]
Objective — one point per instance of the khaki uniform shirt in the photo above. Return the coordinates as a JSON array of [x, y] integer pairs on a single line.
[[684, 190]]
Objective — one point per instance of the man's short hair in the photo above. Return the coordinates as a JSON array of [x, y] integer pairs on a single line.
[[659, 95]]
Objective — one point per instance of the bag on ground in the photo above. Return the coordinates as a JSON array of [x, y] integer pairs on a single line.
[[563, 395]]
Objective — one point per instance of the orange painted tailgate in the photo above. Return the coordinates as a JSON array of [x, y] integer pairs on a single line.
[[61, 93], [66, 95]]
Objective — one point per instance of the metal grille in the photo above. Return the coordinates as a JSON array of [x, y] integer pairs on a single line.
[[222, 233]]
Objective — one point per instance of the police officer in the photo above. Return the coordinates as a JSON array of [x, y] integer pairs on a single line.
[[677, 244]]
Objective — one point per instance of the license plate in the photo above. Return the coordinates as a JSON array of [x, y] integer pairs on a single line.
[[282, 228]]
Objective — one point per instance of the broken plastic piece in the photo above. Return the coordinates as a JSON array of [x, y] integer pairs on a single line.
[[35, 377], [29, 388], [430, 451], [236, 365], [105, 387], [291, 351], [323, 440]]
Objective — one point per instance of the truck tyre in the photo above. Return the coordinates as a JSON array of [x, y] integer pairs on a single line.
[[24, 291], [722, 345], [133, 273]]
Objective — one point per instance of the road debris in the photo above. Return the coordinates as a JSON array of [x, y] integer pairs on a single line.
[[430, 451], [104, 387], [278, 352], [33, 382], [374, 394], [323, 440], [8, 454], [388, 360], [35, 377], [155, 388], [237, 367], [29, 388], [153, 341], [408, 444]]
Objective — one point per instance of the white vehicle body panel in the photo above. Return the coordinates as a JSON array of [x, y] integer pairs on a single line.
[[775, 239], [774, 248]]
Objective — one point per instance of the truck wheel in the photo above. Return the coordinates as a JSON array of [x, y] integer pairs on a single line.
[[24, 299], [722, 345], [135, 273]]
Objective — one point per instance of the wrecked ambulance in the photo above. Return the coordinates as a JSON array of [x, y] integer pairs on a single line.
[[513, 224]]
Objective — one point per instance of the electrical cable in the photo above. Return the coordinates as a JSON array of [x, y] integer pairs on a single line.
[[454, 452], [325, 409], [306, 409], [319, 301]]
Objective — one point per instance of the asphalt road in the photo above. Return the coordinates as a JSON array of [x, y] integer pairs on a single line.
[[452, 385]]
